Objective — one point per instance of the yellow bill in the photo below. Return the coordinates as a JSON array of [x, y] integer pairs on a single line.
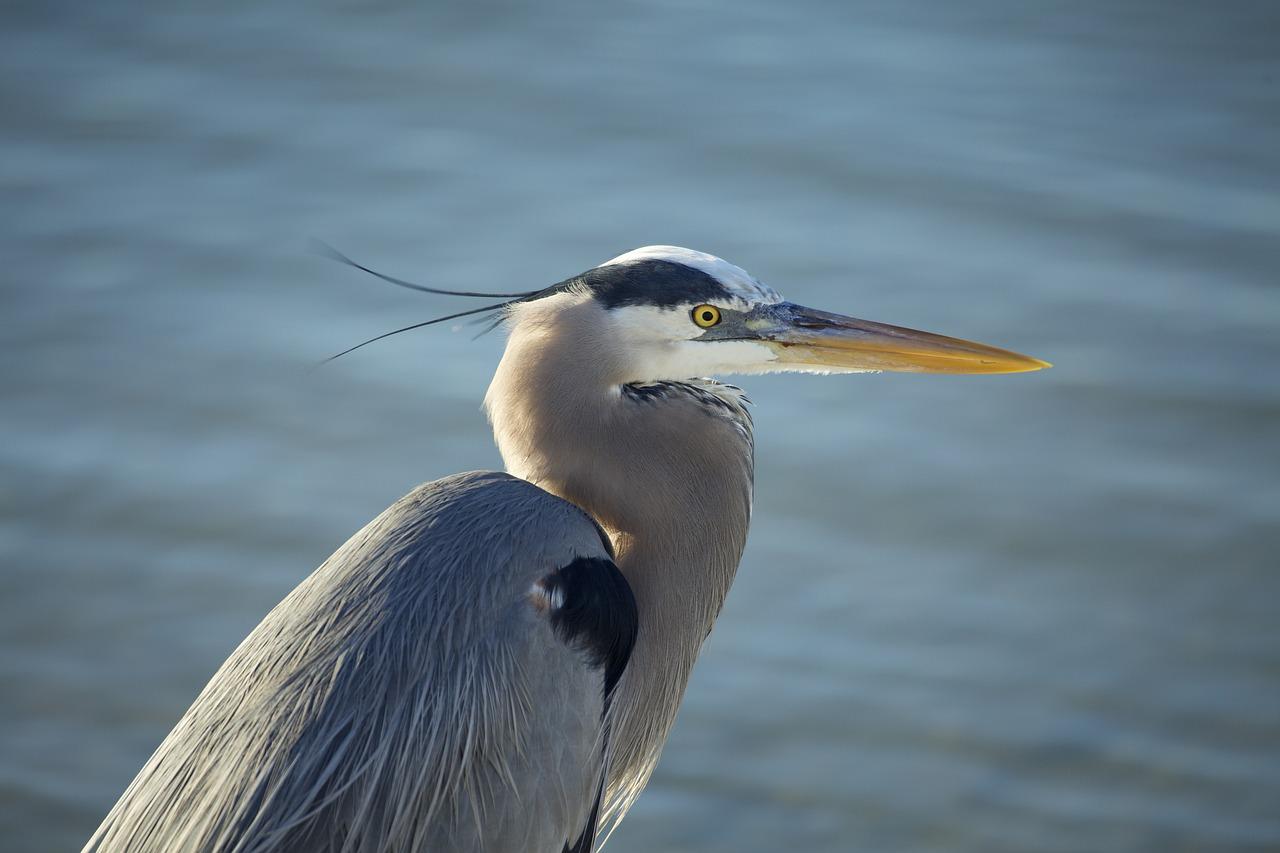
[[813, 339]]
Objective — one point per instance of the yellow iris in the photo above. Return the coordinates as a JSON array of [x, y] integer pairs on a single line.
[[706, 316]]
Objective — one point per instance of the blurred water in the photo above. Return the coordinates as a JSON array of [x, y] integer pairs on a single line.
[[1030, 613]]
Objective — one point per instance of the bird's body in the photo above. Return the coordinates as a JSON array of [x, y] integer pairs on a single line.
[[298, 743], [494, 663]]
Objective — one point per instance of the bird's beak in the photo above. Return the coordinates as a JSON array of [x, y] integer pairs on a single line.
[[807, 339]]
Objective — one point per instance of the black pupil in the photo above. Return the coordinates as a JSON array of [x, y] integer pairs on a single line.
[[707, 316]]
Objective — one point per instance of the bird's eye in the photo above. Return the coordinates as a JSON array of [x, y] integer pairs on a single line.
[[706, 316]]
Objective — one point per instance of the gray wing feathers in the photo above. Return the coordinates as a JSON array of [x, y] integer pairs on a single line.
[[405, 696]]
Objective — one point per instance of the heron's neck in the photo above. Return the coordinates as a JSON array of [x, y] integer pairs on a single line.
[[667, 474], [665, 469]]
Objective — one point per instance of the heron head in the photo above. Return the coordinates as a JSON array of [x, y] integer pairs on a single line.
[[675, 313], [663, 312]]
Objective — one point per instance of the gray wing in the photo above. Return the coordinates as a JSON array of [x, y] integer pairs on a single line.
[[438, 684]]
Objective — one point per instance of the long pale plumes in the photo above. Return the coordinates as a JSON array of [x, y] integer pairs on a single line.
[[390, 702]]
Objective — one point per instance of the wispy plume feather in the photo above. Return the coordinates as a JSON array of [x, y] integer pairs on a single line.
[[496, 321], [325, 250], [491, 314]]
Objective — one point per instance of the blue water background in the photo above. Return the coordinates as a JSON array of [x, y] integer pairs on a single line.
[[1026, 613]]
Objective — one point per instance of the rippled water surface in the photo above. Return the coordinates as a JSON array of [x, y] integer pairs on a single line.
[[1026, 613]]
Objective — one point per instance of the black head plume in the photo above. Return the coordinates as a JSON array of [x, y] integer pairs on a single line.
[[494, 311], [322, 248]]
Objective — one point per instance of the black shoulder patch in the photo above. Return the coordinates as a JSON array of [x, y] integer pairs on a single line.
[[662, 284], [594, 610]]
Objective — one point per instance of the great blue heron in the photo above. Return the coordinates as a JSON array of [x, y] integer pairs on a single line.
[[494, 662]]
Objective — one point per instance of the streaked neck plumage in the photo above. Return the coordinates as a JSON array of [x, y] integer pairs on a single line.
[[665, 468]]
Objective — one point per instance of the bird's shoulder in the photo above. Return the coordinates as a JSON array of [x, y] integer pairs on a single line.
[[497, 548], [472, 631], [501, 509], [493, 539], [479, 535]]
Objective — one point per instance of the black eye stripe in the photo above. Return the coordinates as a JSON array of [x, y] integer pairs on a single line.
[[656, 283]]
